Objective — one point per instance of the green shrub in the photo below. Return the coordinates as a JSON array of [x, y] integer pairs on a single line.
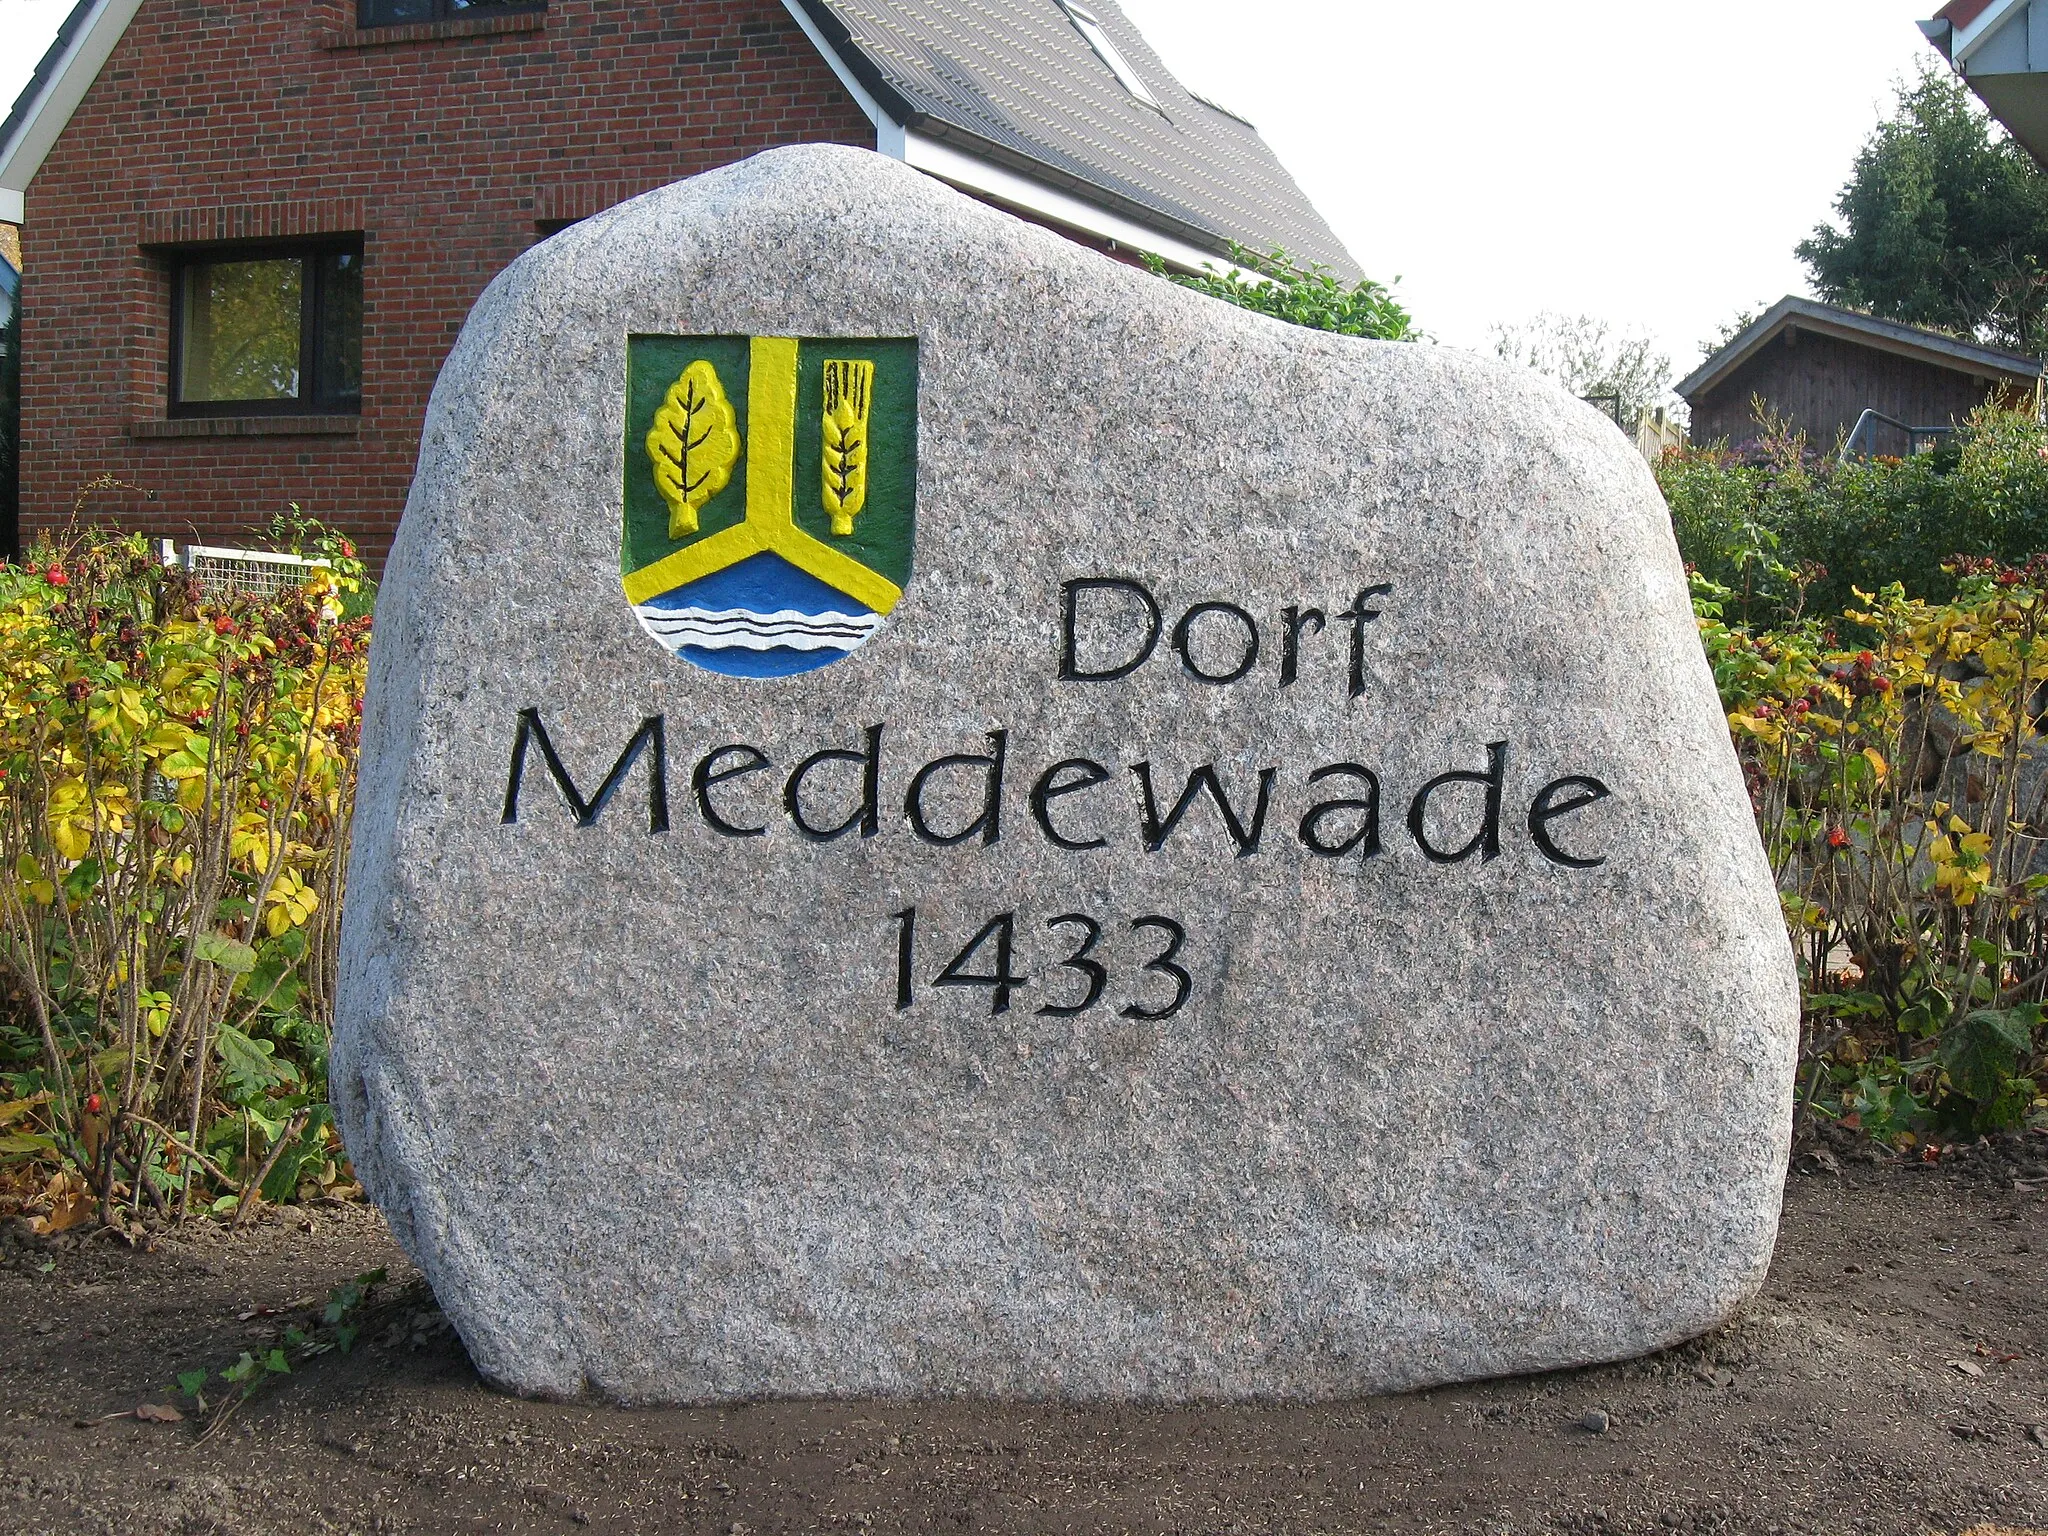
[[1314, 298], [1788, 530], [1895, 763], [178, 772]]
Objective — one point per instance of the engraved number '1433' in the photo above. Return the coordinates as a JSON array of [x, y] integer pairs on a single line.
[[989, 959]]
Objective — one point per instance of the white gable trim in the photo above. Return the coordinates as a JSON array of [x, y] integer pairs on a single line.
[[1002, 185], [90, 48], [888, 132], [1967, 40], [998, 183]]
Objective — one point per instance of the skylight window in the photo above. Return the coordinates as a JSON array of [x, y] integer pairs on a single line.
[[1088, 26]]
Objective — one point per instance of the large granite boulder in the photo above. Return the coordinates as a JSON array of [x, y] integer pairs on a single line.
[[941, 815]]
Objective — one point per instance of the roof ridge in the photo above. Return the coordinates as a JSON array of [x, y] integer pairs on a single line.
[[1931, 343], [1217, 106]]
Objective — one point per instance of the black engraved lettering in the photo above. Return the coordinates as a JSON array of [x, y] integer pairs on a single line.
[[1070, 665], [1487, 840], [989, 824], [652, 732], [708, 774], [1158, 830], [1296, 619], [1358, 616], [1183, 632], [867, 817], [1000, 981], [1366, 839], [1094, 970], [1547, 809], [906, 958], [1086, 775], [1184, 984]]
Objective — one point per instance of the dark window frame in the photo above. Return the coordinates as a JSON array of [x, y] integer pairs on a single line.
[[313, 298], [368, 17]]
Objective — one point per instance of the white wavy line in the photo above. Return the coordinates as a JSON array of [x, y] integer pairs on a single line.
[[739, 629], [727, 626]]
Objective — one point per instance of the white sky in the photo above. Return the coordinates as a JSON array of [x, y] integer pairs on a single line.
[[1647, 162]]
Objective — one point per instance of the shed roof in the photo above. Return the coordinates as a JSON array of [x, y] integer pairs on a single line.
[[1935, 347]]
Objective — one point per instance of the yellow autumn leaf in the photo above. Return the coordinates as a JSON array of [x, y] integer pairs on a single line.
[[35, 886], [291, 903], [73, 838], [250, 842], [173, 737]]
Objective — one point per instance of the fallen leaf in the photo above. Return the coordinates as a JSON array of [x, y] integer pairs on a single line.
[[71, 1203], [158, 1413]]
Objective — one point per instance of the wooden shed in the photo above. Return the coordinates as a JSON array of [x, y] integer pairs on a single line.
[[1822, 368]]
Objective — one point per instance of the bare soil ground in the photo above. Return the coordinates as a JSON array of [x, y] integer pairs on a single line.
[[1890, 1379]]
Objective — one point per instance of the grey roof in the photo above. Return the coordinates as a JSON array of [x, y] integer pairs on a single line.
[[1937, 347], [46, 69], [1015, 82]]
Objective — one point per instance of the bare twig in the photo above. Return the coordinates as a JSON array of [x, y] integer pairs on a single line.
[[250, 1190]]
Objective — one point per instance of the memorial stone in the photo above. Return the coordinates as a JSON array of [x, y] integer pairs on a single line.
[[941, 815]]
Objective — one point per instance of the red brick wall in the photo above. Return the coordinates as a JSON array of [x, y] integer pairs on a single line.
[[251, 118]]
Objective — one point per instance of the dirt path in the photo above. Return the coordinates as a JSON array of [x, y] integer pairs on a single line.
[[1846, 1399]]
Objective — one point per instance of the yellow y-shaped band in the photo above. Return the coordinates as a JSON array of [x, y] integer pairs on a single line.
[[770, 526]]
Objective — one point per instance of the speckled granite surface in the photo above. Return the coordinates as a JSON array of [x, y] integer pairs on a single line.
[[644, 1104]]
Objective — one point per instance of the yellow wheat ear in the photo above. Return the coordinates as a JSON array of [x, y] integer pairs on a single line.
[[693, 445], [849, 393]]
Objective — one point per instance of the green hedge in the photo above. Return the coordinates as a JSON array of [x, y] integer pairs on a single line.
[[1789, 530]]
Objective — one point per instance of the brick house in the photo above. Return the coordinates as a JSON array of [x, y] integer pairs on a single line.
[[252, 230]]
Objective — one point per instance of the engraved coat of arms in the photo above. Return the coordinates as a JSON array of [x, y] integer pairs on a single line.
[[770, 498]]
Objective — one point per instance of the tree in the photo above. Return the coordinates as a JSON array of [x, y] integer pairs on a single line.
[[1622, 372], [1314, 298], [1943, 222], [1730, 329]]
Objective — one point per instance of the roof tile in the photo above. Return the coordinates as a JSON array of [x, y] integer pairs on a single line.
[[1018, 75]]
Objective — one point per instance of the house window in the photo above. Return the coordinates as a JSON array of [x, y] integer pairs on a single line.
[[268, 331], [401, 13], [1089, 27]]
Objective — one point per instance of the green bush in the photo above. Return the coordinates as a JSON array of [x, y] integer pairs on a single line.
[[1314, 298], [1895, 763], [1787, 530], [177, 771]]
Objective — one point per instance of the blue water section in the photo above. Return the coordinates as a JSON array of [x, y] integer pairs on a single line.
[[761, 584]]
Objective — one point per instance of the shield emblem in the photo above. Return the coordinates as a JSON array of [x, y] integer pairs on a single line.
[[770, 500]]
